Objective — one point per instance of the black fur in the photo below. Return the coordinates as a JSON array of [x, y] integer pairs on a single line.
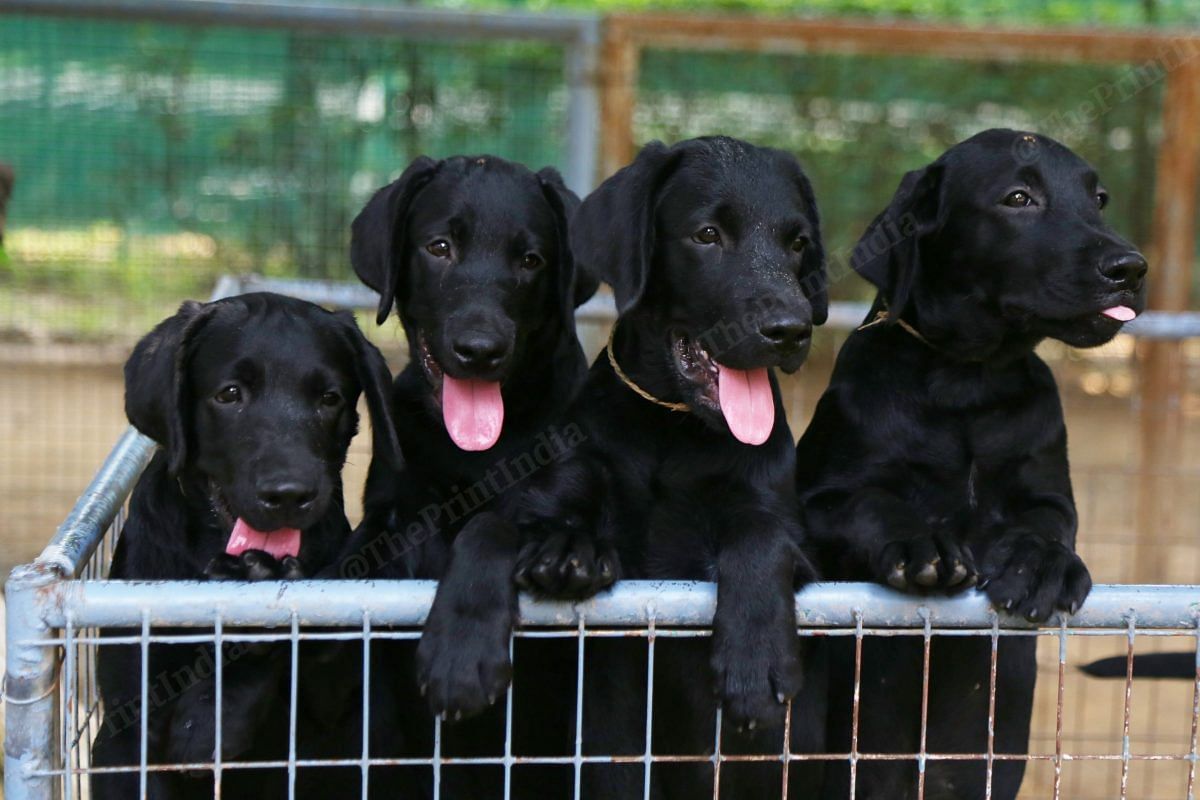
[[269, 451], [474, 254], [937, 462], [666, 494]]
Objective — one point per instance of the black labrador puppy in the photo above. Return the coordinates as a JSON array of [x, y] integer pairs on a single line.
[[685, 464], [474, 253], [938, 456], [252, 400]]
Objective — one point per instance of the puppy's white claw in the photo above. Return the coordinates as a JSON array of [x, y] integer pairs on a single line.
[[752, 724]]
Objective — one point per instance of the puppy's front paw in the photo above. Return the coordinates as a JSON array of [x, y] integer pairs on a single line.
[[567, 565], [1024, 573], [254, 565], [757, 670], [925, 562], [462, 660]]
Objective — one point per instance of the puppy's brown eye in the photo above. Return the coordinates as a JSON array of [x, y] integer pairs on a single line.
[[707, 235], [330, 399], [229, 394], [532, 261], [799, 244], [438, 248], [1101, 200], [1018, 199]]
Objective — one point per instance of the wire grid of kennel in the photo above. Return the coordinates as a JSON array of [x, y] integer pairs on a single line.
[[57, 603], [578, 34], [52, 708]]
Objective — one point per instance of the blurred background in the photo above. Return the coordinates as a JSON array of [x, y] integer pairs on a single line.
[[149, 147]]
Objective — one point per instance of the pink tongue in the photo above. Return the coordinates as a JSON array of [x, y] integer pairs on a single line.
[[473, 411], [746, 402], [1121, 313], [279, 543]]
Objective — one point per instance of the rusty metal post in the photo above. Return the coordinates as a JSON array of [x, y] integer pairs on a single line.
[[618, 96], [1172, 252]]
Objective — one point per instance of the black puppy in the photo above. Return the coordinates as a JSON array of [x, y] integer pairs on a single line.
[[252, 400], [474, 253], [685, 467], [938, 455]]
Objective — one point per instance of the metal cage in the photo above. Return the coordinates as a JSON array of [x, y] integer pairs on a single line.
[[57, 604]]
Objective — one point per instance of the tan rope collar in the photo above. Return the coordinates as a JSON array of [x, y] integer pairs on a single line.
[[882, 315], [628, 381]]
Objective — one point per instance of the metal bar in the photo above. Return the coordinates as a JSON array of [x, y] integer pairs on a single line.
[[843, 315], [292, 701], [96, 508], [927, 644], [1058, 718], [30, 688], [648, 755], [579, 677], [676, 603], [1127, 713], [1193, 754], [425, 22], [582, 64]]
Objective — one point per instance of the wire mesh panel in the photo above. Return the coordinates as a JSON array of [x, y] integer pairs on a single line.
[[648, 620]]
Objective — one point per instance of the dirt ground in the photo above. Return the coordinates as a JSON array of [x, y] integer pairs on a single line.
[[61, 410]]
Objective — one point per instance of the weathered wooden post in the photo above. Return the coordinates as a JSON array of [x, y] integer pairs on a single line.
[[1172, 255], [618, 89]]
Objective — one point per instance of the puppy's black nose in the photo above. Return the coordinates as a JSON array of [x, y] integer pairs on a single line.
[[479, 350], [786, 332], [286, 495], [1125, 269]]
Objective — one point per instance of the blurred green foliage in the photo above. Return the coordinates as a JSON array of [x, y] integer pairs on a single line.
[[196, 152]]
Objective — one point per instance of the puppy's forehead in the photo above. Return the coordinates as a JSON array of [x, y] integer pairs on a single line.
[[283, 343], [1002, 156], [487, 196], [737, 176]]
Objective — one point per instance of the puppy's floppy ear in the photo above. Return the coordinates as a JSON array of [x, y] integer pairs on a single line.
[[889, 252], [574, 285], [156, 396], [613, 233], [375, 380], [813, 278], [377, 233]]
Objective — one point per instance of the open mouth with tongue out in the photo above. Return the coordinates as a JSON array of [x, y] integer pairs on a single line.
[[278, 542], [742, 397], [472, 409], [1120, 313]]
